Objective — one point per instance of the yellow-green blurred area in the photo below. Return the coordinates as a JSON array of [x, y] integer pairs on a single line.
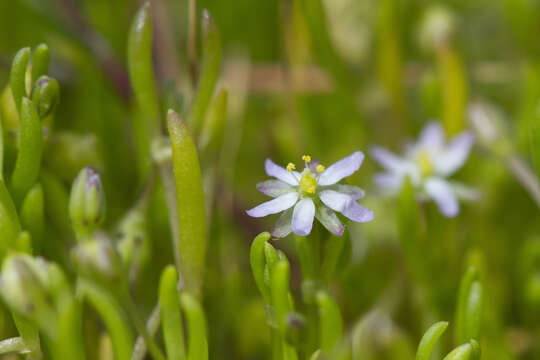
[[324, 78]]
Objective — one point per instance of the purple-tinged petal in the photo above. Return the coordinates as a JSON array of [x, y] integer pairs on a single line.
[[274, 188], [388, 160], [328, 218], [274, 206], [346, 205], [302, 218], [341, 169], [334, 200], [283, 226], [358, 213], [454, 155], [431, 137], [442, 193], [279, 173], [353, 191], [389, 181]]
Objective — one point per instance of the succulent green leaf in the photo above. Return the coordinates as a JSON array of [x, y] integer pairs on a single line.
[[171, 316], [463, 352], [429, 339], [40, 61], [209, 72], [147, 124], [190, 252], [196, 327], [331, 324], [17, 76], [30, 146], [258, 263], [469, 307], [33, 215]]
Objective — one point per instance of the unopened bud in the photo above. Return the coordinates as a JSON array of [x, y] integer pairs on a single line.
[[25, 287], [86, 202], [437, 28], [97, 259], [45, 95], [295, 328], [488, 126]]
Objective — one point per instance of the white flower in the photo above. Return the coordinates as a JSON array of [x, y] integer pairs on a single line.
[[427, 164], [313, 193]]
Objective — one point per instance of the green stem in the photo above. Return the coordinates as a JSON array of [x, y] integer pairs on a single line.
[[152, 325], [113, 317], [153, 348]]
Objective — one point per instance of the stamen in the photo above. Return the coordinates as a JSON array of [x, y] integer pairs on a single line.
[[320, 168], [306, 158], [290, 167]]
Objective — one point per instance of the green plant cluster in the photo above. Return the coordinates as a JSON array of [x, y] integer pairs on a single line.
[[132, 137]]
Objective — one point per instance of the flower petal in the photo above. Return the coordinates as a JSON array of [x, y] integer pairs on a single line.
[[283, 226], [353, 191], [274, 170], [302, 218], [358, 213], [442, 193], [388, 160], [432, 136], [346, 205], [274, 188], [341, 169], [389, 181], [454, 155], [329, 220], [274, 206]]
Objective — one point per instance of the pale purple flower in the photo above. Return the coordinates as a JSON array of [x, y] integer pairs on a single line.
[[313, 193], [428, 163]]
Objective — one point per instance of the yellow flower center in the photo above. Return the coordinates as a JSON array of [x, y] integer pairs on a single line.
[[424, 163], [308, 182]]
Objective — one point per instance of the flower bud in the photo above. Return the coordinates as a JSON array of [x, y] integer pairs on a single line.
[[437, 28], [25, 287], [97, 259], [86, 202], [132, 237], [46, 96], [295, 327], [489, 128]]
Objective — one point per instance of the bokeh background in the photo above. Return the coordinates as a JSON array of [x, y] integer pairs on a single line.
[[324, 78]]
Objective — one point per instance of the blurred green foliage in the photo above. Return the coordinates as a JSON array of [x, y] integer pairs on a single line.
[[323, 77]]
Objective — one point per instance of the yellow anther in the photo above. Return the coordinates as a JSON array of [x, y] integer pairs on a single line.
[[290, 167], [320, 168], [306, 158]]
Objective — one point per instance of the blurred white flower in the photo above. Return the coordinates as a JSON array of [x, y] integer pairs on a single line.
[[313, 193], [428, 163]]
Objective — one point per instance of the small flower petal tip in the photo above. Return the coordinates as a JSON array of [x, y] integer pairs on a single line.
[[301, 197]]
